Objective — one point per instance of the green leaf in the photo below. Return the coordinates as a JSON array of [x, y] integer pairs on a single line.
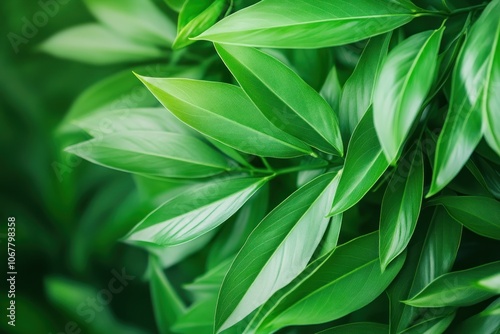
[[176, 5], [199, 318], [486, 322], [489, 37], [97, 45], [224, 113], [283, 97], [358, 328], [195, 211], [197, 16], [364, 165], [401, 206], [135, 119], [479, 214], [142, 22], [491, 283], [331, 89], [472, 86], [357, 92], [460, 288], [210, 282], [286, 239], [430, 325], [346, 280], [167, 305], [404, 82], [153, 153], [431, 256], [232, 238], [309, 23]]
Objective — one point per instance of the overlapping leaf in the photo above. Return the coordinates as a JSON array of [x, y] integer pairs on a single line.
[[472, 88], [224, 113], [364, 165], [458, 288], [195, 211], [309, 23], [358, 90], [153, 153], [286, 240], [404, 82], [401, 206], [283, 97], [477, 213]]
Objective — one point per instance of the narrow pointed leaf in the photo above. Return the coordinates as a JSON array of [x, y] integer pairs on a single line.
[[144, 21], [95, 44], [348, 279], [286, 239], [357, 92], [437, 324], [401, 206], [167, 304], [458, 288], [331, 89], [471, 85], [433, 256], [491, 102], [477, 213], [309, 23], [195, 212], [224, 113], [404, 82], [283, 97], [364, 165], [153, 153], [195, 17]]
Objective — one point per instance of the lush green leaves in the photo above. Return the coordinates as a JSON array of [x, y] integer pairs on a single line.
[[401, 206], [224, 113], [153, 153], [308, 23], [403, 84], [458, 288], [195, 17], [286, 240], [479, 214], [472, 87], [487, 321], [283, 97], [195, 211], [364, 165], [346, 280]]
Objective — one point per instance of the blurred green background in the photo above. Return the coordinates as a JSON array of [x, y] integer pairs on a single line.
[[63, 207]]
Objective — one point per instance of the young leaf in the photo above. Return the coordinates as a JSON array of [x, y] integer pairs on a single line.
[[431, 257], [145, 23], [401, 206], [404, 82], [472, 87], [283, 97], [358, 328], [309, 23], [479, 214], [458, 288], [195, 17], [195, 212], [488, 321], [167, 305], [357, 92], [224, 113], [153, 153], [364, 165], [286, 239], [348, 279], [97, 45]]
